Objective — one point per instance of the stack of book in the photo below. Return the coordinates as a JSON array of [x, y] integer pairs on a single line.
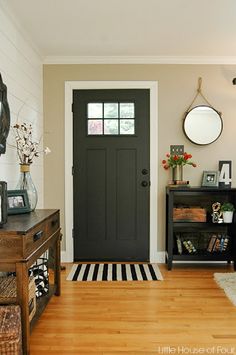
[[218, 243], [187, 244]]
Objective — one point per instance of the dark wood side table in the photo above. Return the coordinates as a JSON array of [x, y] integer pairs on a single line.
[[195, 197], [23, 239]]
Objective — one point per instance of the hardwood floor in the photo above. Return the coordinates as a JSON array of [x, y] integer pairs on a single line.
[[185, 312]]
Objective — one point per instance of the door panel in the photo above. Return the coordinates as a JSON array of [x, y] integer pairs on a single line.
[[96, 194], [110, 150], [126, 194]]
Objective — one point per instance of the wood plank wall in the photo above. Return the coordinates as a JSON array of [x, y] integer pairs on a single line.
[[21, 70]]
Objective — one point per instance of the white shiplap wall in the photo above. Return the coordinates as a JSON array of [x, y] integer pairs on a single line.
[[21, 70]]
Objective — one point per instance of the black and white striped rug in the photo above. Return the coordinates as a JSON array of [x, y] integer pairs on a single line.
[[114, 272]]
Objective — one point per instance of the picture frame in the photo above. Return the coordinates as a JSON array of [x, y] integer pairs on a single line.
[[210, 179], [17, 202]]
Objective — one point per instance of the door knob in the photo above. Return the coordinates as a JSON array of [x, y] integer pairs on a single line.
[[144, 171], [144, 183]]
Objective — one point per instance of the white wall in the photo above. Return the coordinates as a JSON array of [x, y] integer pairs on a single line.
[[21, 70]]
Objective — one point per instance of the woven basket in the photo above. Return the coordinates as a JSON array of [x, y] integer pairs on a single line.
[[7, 288], [8, 293], [10, 330]]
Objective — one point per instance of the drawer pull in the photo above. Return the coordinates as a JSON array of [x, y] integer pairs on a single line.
[[38, 235], [54, 222]]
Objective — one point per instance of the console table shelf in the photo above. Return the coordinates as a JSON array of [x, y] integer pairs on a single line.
[[199, 233]]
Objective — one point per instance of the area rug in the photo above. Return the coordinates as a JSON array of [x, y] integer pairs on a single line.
[[227, 281], [115, 272]]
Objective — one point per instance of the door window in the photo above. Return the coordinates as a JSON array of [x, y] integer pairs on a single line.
[[110, 118]]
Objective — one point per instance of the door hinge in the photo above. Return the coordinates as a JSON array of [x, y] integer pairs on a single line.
[[72, 107], [72, 170]]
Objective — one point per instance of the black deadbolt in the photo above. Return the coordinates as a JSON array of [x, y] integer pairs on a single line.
[[144, 183]]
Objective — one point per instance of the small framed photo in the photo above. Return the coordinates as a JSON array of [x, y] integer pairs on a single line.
[[210, 179], [17, 202]]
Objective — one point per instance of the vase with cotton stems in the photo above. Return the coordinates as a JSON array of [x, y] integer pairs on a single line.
[[27, 149]]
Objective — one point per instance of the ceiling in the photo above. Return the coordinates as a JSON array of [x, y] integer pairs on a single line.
[[129, 28]]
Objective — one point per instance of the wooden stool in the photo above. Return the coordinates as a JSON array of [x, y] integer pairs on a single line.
[[10, 330]]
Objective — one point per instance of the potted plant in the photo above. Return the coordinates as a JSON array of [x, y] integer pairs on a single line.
[[228, 210]]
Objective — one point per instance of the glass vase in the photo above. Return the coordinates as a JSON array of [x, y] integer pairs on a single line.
[[25, 182]]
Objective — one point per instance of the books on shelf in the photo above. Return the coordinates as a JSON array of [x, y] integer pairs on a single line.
[[218, 243], [189, 246], [179, 244]]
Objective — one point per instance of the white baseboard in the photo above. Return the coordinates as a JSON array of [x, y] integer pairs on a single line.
[[161, 257], [64, 257]]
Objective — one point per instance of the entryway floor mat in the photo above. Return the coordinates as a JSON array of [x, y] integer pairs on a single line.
[[114, 272]]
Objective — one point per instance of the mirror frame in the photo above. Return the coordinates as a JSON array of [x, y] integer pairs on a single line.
[[4, 117], [187, 113]]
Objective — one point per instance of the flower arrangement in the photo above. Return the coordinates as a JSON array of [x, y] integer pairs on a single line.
[[26, 148], [174, 160]]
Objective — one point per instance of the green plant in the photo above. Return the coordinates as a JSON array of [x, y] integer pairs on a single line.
[[227, 206]]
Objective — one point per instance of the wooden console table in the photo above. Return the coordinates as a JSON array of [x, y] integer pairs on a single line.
[[23, 239]]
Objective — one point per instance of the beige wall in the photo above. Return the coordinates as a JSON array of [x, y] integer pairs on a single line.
[[176, 88]]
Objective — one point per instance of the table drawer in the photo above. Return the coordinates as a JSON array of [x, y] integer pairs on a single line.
[[35, 238], [53, 224]]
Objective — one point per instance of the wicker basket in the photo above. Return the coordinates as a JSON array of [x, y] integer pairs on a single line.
[[8, 293], [10, 330]]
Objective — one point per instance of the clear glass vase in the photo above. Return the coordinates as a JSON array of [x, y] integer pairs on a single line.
[[25, 182]]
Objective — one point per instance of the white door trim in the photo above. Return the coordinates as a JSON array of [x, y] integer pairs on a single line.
[[83, 85]]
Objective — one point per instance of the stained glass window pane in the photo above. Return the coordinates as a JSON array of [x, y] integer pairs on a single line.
[[110, 110], [95, 127], [95, 110], [127, 110], [111, 127], [127, 127]]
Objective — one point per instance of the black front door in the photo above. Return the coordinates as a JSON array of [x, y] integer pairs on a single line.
[[111, 162]]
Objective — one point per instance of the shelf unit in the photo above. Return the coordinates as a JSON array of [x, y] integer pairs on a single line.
[[202, 231]]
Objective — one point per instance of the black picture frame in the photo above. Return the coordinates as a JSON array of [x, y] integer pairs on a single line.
[[17, 202], [210, 179]]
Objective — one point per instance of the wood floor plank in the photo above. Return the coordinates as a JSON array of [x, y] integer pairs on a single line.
[[112, 318]]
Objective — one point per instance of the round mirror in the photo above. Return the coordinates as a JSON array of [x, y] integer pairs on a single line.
[[202, 125]]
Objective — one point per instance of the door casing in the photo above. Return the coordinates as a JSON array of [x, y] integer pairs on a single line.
[[67, 255]]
